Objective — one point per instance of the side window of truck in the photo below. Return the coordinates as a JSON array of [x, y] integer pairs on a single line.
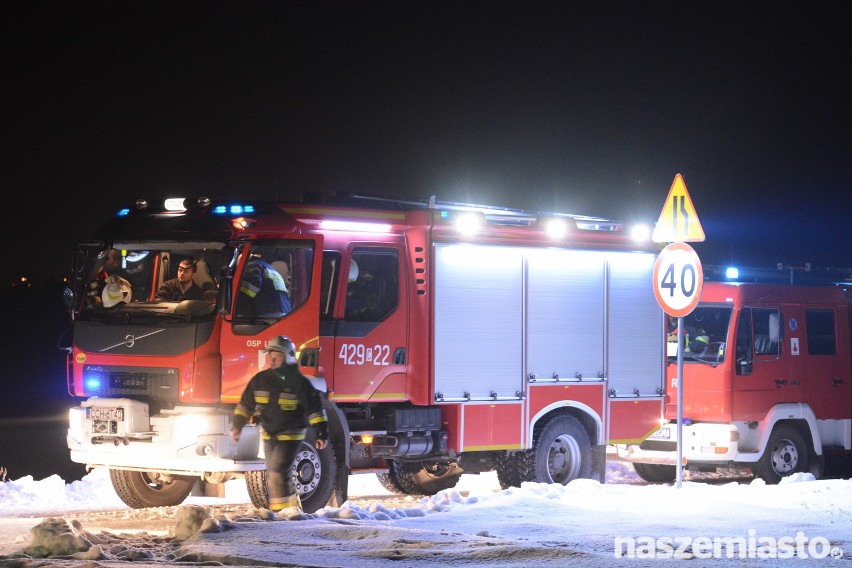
[[820, 332], [275, 281], [372, 291], [766, 324]]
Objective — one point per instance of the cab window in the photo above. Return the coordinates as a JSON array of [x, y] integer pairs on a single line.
[[820, 328], [275, 280], [372, 291]]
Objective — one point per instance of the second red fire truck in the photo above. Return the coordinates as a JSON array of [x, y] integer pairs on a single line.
[[767, 384], [448, 338]]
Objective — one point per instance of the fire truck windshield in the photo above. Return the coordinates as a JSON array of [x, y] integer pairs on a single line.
[[177, 280], [705, 334]]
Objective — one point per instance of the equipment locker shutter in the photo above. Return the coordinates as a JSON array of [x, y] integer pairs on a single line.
[[635, 348], [565, 314], [478, 321]]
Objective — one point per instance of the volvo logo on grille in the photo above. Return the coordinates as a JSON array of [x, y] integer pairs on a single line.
[[130, 340]]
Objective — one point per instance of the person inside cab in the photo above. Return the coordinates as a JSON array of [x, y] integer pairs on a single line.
[[183, 287], [263, 291], [107, 264]]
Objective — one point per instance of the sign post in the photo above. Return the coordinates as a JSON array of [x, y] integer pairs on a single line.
[[678, 279]]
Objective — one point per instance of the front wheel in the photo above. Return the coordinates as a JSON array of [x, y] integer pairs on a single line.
[[785, 454], [314, 473], [655, 473], [141, 489], [561, 453]]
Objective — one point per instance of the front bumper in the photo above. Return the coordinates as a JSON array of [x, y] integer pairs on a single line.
[[704, 443], [118, 433]]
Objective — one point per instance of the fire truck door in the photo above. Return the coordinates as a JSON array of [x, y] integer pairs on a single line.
[[792, 346], [272, 295], [370, 344], [761, 379]]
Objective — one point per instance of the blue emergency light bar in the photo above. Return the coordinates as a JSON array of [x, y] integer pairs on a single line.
[[235, 209]]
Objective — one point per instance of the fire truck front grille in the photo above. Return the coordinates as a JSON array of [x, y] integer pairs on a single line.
[[157, 384]]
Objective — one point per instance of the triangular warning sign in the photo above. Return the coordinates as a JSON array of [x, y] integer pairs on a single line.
[[678, 222]]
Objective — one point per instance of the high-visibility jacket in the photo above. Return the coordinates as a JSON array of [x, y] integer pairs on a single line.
[[265, 290], [286, 403]]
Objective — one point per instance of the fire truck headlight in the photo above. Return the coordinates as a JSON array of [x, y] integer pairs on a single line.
[[174, 204], [75, 424], [188, 428], [469, 224], [640, 233], [556, 228]]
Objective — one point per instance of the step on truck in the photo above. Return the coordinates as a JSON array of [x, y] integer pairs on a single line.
[[446, 338], [767, 384]]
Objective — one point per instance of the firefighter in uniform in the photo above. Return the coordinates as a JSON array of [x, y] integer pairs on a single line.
[[265, 290], [286, 403]]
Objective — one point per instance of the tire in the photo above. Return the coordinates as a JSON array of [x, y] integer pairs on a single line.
[[141, 489], [656, 473], [786, 453], [507, 470], [425, 478], [561, 453], [390, 482], [314, 473]]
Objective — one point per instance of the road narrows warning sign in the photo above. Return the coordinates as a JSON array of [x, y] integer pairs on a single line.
[[678, 220]]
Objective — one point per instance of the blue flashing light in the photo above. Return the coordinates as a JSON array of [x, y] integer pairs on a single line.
[[234, 209], [732, 273], [93, 385], [445, 214], [124, 212]]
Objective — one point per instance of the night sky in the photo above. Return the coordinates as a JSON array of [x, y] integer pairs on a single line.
[[582, 107]]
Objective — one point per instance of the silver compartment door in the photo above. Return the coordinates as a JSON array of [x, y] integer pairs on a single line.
[[635, 350], [478, 321], [565, 314]]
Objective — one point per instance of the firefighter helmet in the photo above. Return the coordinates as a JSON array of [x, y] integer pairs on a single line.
[[284, 345], [116, 290]]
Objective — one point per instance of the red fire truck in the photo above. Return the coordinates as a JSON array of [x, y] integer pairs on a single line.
[[448, 338], [767, 384]]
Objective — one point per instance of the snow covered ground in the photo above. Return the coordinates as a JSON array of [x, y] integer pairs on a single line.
[[802, 521]]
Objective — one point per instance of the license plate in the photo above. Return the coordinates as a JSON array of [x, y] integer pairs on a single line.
[[662, 433], [105, 413]]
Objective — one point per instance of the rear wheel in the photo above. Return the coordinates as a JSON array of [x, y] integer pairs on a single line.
[[141, 489], [561, 453], [314, 473], [655, 473], [390, 482], [425, 478], [785, 454], [507, 470]]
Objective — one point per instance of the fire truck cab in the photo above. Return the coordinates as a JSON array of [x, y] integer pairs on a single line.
[[446, 337], [767, 383]]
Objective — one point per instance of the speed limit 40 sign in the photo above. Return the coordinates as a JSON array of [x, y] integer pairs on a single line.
[[678, 279]]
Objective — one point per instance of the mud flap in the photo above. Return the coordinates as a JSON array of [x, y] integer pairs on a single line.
[[599, 463], [338, 434]]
